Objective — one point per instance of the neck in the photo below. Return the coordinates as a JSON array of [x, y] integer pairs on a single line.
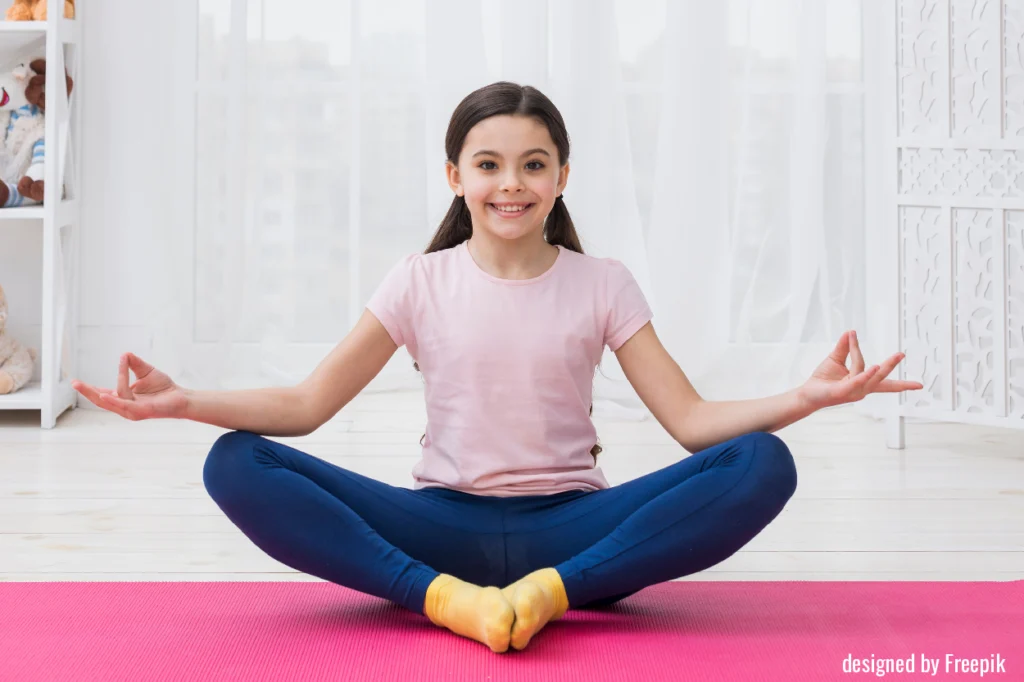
[[524, 258]]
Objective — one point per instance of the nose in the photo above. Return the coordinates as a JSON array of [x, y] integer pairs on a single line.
[[510, 182]]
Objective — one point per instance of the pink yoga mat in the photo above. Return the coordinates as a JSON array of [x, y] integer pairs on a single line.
[[708, 631]]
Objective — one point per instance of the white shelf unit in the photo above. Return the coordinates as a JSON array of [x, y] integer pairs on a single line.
[[57, 217]]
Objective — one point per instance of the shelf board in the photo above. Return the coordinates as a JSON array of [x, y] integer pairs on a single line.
[[66, 212], [28, 397], [22, 26], [22, 33], [21, 212]]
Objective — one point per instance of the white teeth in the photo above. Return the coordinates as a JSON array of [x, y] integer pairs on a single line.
[[510, 209]]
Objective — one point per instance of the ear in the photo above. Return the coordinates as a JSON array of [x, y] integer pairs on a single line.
[[454, 179], [563, 178], [35, 91]]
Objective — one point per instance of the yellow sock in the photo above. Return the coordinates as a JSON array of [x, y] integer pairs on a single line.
[[480, 613], [537, 599]]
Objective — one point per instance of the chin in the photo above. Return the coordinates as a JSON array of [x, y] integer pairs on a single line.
[[510, 233]]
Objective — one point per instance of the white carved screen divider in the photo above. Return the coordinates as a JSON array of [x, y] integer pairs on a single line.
[[958, 209]]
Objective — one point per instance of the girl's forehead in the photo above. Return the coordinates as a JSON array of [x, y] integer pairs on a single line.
[[509, 133]]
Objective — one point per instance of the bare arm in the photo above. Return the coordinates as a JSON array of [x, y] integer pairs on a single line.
[[660, 383], [278, 411], [693, 422], [716, 421], [302, 409], [698, 424], [154, 395], [347, 369]]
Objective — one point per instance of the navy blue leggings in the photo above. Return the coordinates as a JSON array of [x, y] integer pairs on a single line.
[[391, 542]]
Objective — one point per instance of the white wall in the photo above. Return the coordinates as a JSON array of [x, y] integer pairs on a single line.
[[128, 62], [125, 90]]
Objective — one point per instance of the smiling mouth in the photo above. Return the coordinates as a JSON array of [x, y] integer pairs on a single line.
[[6, 98], [526, 207]]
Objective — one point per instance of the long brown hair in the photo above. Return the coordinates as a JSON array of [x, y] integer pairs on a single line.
[[505, 99]]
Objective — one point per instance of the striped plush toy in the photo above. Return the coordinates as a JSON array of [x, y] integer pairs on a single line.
[[22, 125]]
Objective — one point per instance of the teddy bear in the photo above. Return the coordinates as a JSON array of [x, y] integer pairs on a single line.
[[35, 10], [16, 361], [22, 127]]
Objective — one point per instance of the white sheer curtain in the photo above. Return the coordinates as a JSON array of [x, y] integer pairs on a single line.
[[716, 151]]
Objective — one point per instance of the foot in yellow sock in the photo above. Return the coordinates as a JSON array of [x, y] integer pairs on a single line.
[[480, 613], [537, 599]]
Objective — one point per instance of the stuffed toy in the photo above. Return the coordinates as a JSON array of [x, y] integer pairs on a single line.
[[16, 361], [22, 126], [35, 10]]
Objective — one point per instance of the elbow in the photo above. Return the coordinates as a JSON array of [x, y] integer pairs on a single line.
[[309, 418], [300, 432], [310, 428], [309, 425], [681, 435], [685, 432]]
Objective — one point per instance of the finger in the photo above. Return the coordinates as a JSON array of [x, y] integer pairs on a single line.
[[122, 378], [112, 408], [96, 398], [85, 388], [841, 350], [76, 384], [91, 394], [128, 409], [856, 358], [139, 366], [867, 375], [858, 381], [886, 368], [892, 386]]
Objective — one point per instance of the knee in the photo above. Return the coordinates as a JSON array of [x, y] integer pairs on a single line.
[[222, 462], [773, 462]]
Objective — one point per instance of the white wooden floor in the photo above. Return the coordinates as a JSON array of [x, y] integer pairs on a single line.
[[102, 498]]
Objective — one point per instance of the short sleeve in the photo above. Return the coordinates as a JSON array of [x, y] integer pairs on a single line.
[[391, 303], [628, 310]]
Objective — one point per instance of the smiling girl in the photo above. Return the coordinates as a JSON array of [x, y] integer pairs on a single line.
[[510, 522]]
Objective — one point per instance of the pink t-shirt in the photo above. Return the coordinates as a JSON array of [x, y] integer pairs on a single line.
[[508, 365]]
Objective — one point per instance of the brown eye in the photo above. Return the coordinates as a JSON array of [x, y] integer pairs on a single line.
[[539, 164]]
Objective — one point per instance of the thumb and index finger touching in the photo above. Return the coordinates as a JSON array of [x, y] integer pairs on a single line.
[[848, 346], [120, 400], [138, 366]]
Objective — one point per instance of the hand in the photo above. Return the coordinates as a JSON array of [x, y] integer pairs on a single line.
[[833, 384], [152, 395]]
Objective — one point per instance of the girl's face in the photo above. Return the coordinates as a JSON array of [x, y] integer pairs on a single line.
[[508, 162]]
